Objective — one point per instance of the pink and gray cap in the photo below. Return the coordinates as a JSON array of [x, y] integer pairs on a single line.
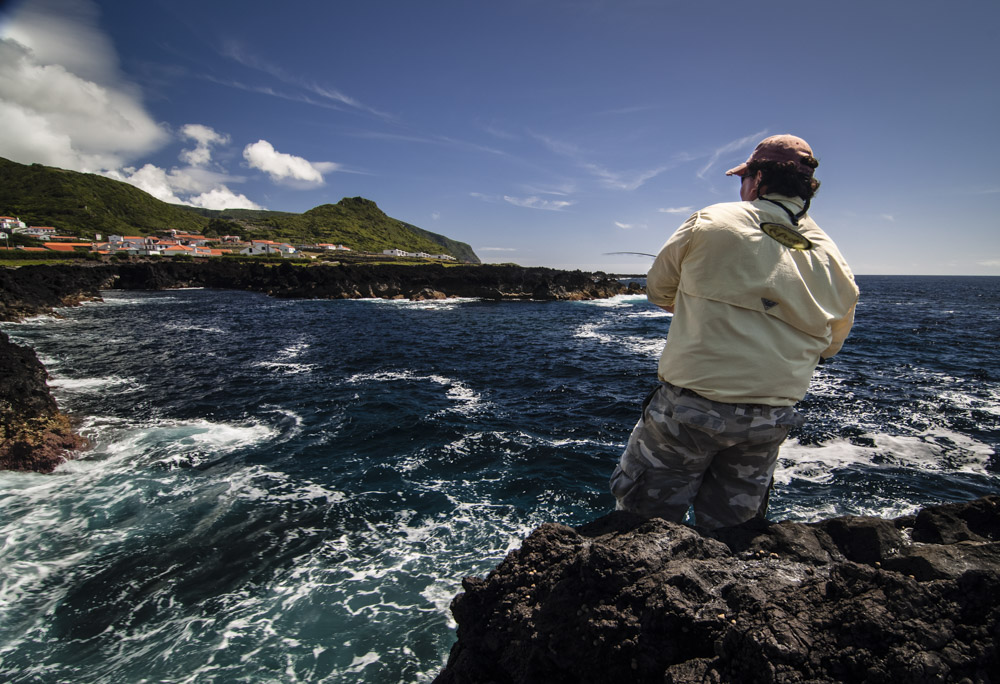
[[779, 148]]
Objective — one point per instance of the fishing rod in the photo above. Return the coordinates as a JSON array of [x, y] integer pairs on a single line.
[[639, 253]]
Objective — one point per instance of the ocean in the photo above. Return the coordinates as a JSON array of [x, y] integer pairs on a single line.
[[292, 490]]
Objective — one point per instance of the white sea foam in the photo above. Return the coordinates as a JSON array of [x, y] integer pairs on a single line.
[[644, 346], [189, 327], [466, 400], [286, 368], [942, 451], [94, 384], [426, 304], [168, 441], [615, 301]]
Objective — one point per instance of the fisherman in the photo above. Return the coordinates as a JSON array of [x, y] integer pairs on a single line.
[[759, 294]]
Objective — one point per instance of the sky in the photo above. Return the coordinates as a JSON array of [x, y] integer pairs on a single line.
[[541, 132]]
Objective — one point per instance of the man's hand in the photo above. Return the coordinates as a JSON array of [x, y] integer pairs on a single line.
[[668, 309]]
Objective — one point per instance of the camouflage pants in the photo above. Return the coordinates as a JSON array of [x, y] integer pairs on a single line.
[[689, 451]]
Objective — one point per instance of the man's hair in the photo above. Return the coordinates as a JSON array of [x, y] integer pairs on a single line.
[[782, 178]]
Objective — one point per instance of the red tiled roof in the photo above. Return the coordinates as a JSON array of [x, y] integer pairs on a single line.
[[65, 246]]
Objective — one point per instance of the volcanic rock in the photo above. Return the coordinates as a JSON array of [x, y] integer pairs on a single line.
[[851, 599]]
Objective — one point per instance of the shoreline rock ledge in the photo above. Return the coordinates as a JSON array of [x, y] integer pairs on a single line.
[[34, 435], [850, 599]]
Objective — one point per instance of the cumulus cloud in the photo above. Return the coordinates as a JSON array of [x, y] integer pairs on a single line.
[[63, 99], [537, 203], [285, 167], [193, 186], [204, 138], [222, 198]]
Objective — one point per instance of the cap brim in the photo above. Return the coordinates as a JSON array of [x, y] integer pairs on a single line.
[[737, 170]]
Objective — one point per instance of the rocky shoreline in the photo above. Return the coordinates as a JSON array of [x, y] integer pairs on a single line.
[[35, 436], [31, 290], [851, 599]]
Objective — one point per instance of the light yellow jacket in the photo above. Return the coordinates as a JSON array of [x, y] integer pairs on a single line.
[[751, 317]]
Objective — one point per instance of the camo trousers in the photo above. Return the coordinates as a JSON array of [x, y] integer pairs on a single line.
[[690, 451]]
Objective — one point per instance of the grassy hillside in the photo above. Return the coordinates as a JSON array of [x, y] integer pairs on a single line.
[[85, 204]]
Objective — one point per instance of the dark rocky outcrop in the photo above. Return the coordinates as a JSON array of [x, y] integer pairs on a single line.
[[852, 599], [36, 289], [34, 435]]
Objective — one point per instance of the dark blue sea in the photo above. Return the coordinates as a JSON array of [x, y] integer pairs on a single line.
[[292, 490]]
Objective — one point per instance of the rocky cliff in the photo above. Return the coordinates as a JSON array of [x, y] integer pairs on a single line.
[[852, 599], [36, 289], [34, 435]]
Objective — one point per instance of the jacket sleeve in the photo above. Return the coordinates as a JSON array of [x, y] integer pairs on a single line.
[[665, 274], [840, 328]]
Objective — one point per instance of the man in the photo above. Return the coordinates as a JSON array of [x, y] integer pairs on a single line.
[[759, 295]]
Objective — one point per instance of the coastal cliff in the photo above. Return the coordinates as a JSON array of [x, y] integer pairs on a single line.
[[33, 290], [851, 599], [34, 435]]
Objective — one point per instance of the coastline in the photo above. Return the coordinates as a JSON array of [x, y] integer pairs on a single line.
[[36, 436]]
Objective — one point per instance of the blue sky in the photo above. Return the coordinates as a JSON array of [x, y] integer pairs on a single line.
[[543, 132]]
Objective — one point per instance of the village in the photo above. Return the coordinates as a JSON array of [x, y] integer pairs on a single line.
[[171, 243]]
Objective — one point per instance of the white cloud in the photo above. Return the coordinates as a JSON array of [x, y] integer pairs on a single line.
[[991, 263], [676, 210], [63, 100], [151, 179], [497, 249], [285, 167], [537, 203], [223, 198], [204, 138], [625, 226], [195, 187], [729, 148], [888, 217], [621, 181]]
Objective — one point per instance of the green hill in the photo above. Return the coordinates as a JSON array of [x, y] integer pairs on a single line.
[[85, 204]]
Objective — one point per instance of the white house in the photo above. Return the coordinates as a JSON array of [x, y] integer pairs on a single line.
[[12, 224], [37, 231], [258, 247]]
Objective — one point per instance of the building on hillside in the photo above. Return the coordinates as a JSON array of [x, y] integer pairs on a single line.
[[66, 246], [12, 224], [419, 255], [188, 250], [190, 239], [265, 247], [36, 231], [331, 247]]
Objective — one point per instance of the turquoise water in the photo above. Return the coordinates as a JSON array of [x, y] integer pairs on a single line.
[[292, 490]]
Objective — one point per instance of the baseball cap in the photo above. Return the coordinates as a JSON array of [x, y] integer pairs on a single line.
[[779, 148]]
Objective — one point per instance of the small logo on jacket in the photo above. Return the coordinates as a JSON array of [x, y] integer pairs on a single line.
[[768, 304]]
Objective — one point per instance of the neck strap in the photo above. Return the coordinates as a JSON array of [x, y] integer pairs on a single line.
[[794, 217]]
